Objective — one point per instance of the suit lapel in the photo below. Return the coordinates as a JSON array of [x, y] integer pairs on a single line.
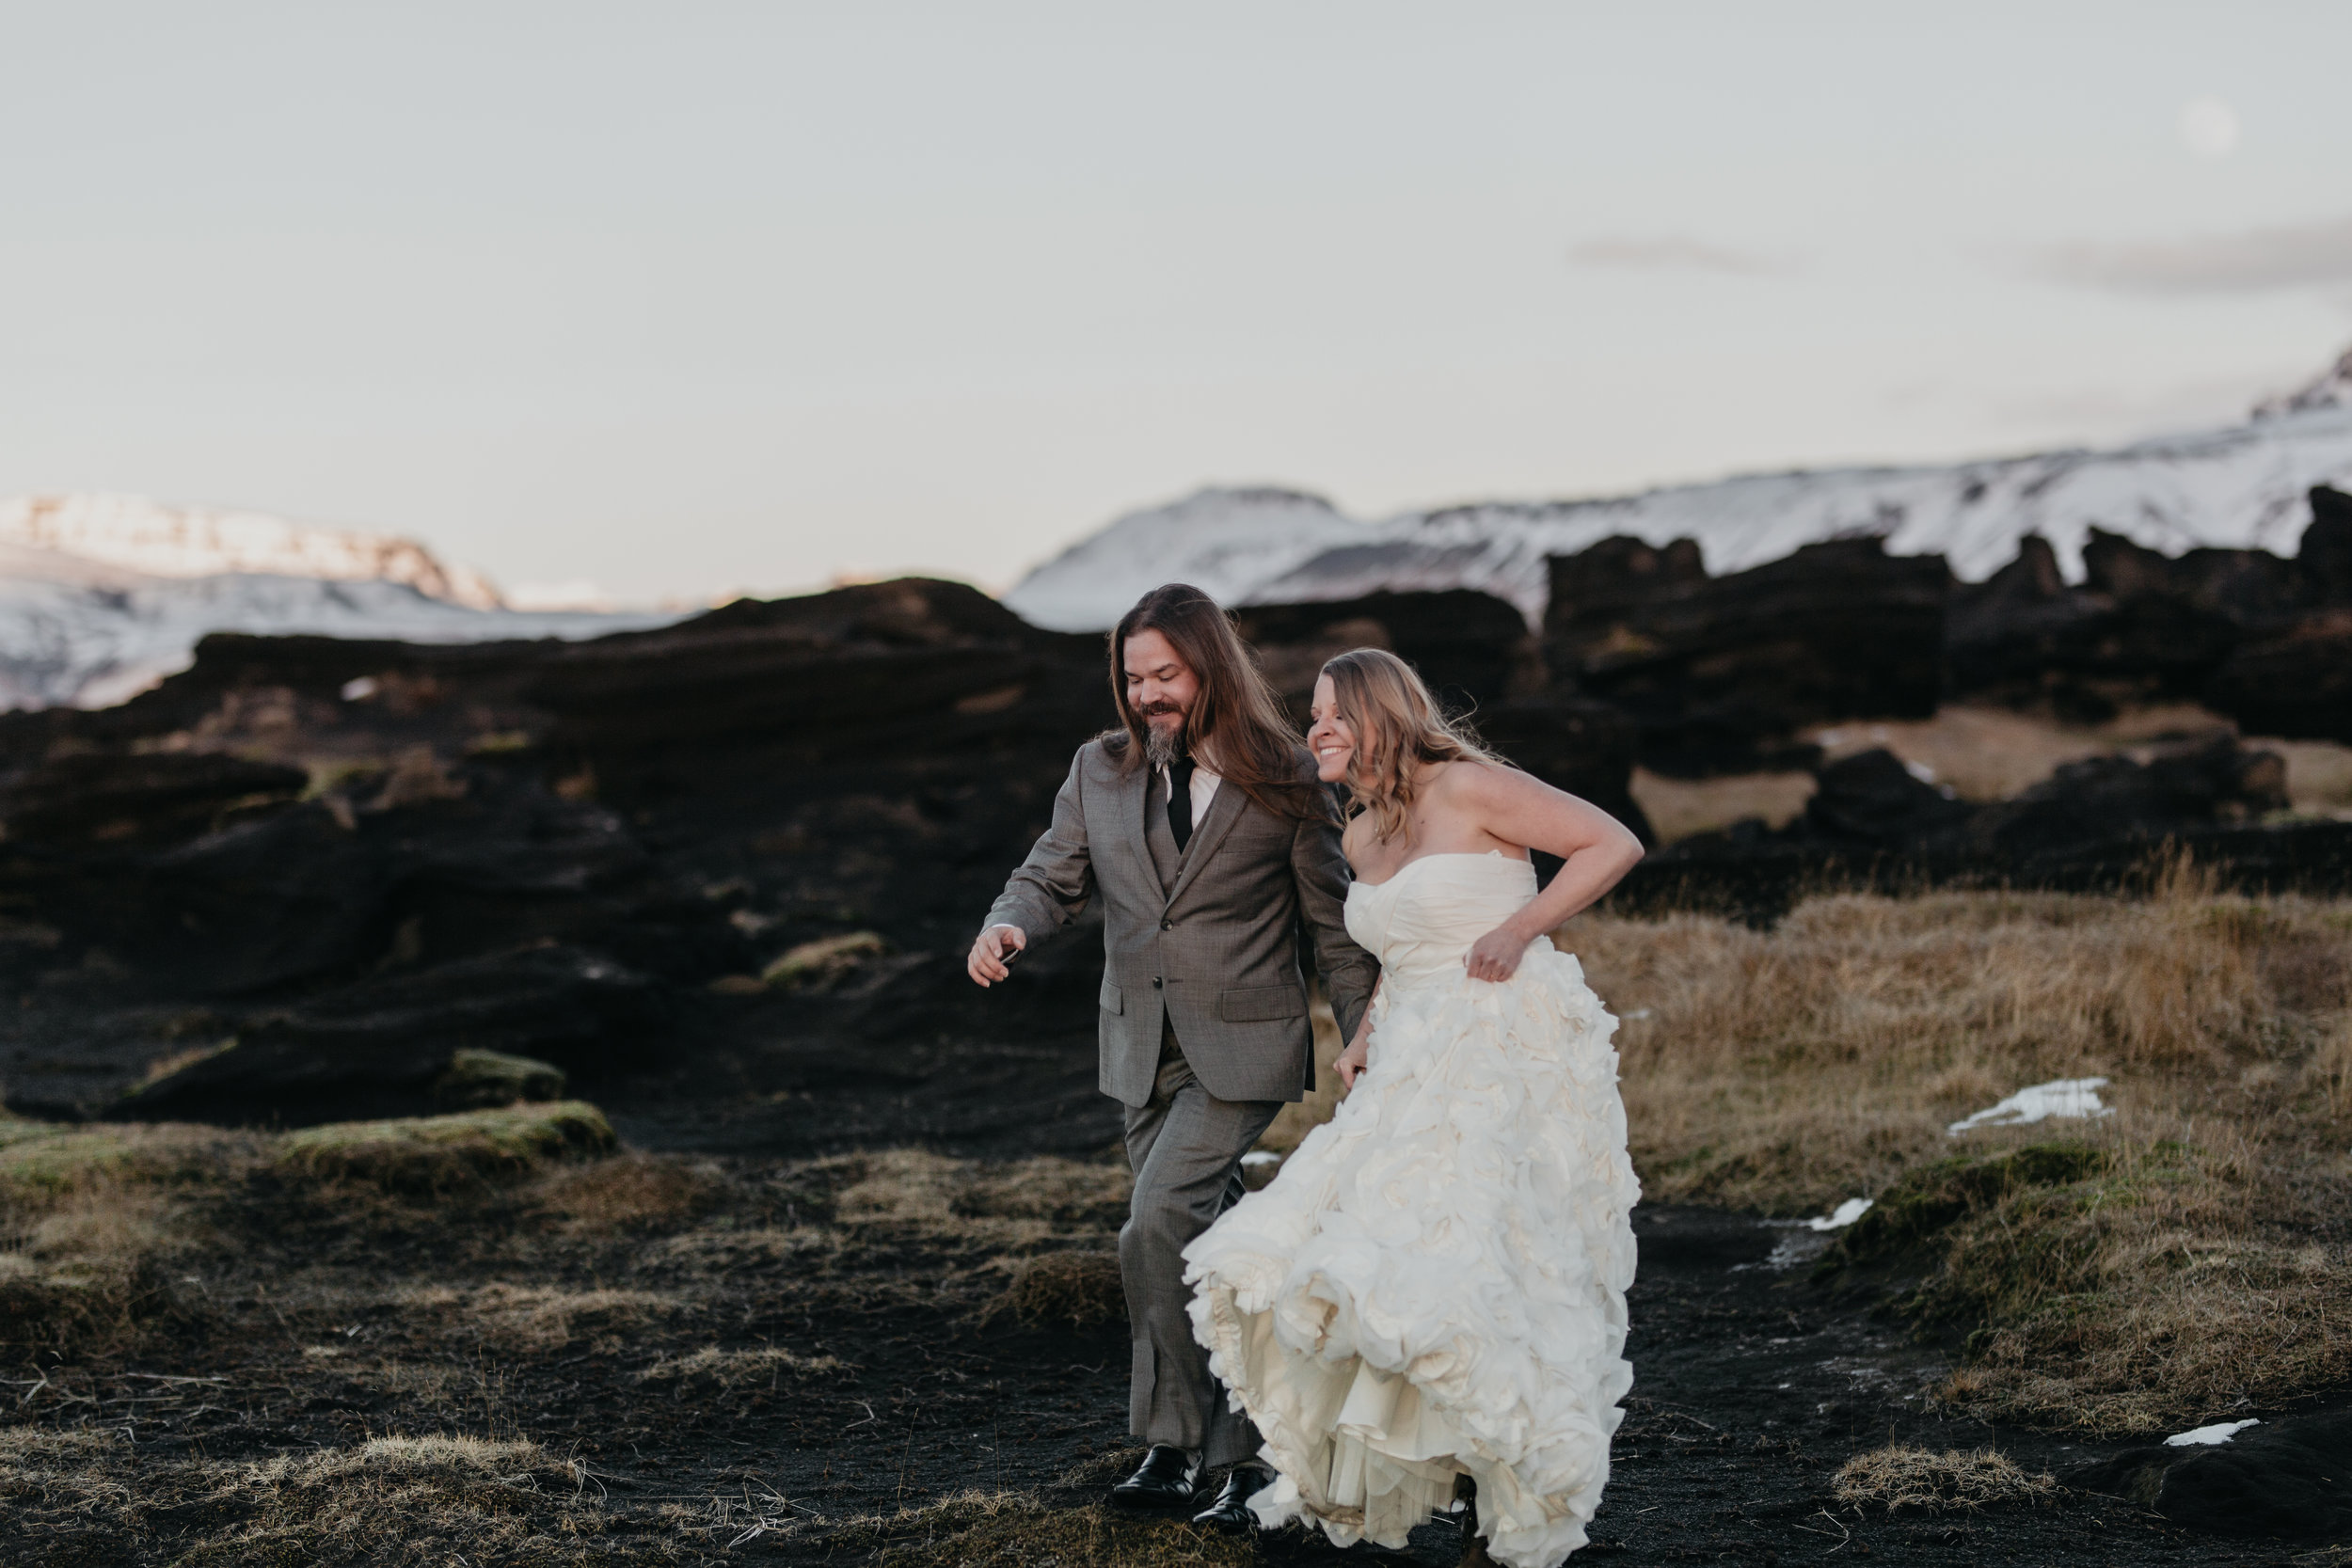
[[1132, 786], [1224, 811]]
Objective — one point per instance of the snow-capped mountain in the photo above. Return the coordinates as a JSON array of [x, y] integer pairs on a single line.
[[191, 542], [102, 597], [2243, 486]]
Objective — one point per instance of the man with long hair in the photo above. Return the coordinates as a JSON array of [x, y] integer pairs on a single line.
[[1201, 823]]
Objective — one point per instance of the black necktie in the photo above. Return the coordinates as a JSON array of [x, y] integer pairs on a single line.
[[1179, 802]]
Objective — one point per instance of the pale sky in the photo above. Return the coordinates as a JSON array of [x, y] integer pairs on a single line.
[[686, 298]]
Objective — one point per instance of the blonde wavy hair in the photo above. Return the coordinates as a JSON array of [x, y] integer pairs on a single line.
[[1399, 728]]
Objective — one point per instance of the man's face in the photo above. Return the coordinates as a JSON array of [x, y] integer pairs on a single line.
[[1161, 687]]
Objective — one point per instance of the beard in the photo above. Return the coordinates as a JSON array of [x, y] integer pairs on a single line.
[[1163, 742]]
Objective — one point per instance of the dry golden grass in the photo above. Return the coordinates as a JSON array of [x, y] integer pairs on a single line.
[[1898, 1478], [1079, 1289], [542, 1318], [2319, 775], [97, 1222], [970, 1205], [1016, 1529], [1992, 753], [728, 1368], [433, 1500], [2175, 1273], [1786, 1070], [1678, 808], [630, 1191], [2192, 1259]]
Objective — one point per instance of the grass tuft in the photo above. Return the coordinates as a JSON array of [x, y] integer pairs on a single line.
[[1081, 1289], [728, 1368], [1016, 1529], [434, 1153], [1899, 1478]]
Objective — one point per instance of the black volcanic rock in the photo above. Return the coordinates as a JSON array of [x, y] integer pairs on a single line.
[[1571, 743], [1471, 648], [2105, 798], [1872, 799], [2281, 1479], [380, 1047], [672, 806], [2242, 630], [101, 798], [1717, 674], [2105, 823], [2296, 682], [1476, 655]]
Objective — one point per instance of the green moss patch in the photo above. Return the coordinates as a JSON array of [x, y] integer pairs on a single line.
[[433, 1152], [826, 962], [482, 1079]]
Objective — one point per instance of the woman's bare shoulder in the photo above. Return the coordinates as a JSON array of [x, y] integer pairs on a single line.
[[1472, 781]]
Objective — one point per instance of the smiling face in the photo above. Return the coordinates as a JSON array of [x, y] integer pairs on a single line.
[[1161, 687], [1331, 738]]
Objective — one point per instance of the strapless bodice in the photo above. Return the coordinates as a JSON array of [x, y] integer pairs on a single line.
[[1420, 922]]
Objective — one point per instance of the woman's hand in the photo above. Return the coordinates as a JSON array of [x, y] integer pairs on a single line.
[[1495, 956], [1354, 1059]]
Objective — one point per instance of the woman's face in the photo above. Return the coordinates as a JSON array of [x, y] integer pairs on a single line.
[[1330, 738]]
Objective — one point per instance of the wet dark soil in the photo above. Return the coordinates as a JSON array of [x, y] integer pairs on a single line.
[[1752, 1386]]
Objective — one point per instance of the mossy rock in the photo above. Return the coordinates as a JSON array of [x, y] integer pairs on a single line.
[[429, 1153], [825, 963], [481, 1079], [1916, 1211], [58, 1158]]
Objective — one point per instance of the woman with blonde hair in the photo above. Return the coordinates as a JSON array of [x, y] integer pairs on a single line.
[[1428, 1302]]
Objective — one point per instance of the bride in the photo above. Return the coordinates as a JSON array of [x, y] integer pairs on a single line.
[[1428, 1302]]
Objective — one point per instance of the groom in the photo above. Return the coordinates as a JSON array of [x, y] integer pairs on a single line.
[[1202, 825]]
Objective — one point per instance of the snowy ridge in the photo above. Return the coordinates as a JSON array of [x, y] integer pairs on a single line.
[[2241, 487], [187, 542], [82, 633]]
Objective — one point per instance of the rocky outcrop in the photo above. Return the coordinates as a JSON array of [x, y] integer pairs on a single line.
[[2221, 626], [1476, 655], [302, 879], [1718, 674], [2105, 823], [2281, 1479]]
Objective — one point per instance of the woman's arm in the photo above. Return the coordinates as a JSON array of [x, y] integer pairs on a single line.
[[1357, 1055], [1598, 849]]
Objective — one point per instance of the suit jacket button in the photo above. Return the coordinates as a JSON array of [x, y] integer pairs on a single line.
[[1155, 982], [1168, 925]]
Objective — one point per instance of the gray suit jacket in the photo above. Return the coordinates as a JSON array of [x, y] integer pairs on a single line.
[[1214, 951]]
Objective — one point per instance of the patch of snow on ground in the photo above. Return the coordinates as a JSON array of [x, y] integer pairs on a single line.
[[1845, 1213], [2220, 1432], [2074, 1097]]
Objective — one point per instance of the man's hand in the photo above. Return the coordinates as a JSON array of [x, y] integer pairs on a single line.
[[987, 963], [1354, 1059]]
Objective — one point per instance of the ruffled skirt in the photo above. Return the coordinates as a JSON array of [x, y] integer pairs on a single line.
[[1433, 1285]]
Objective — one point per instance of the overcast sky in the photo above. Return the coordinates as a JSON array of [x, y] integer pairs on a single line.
[[682, 298]]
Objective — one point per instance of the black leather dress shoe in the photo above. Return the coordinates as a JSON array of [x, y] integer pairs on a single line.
[[1231, 1512], [1166, 1479]]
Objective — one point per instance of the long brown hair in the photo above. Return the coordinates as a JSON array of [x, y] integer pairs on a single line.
[[1399, 728], [1235, 719]]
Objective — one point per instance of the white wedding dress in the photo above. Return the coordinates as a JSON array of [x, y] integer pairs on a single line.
[[1435, 1282]]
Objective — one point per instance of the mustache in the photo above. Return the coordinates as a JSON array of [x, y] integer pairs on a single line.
[[1158, 709]]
